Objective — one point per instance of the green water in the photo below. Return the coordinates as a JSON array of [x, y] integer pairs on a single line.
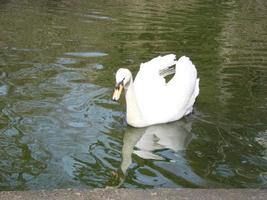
[[60, 129]]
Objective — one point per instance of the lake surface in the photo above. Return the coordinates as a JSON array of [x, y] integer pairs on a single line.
[[60, 129]]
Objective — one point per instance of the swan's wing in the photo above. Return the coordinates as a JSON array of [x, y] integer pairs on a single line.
[[150, 85], [153, 72], [191, 102], [160, 102]]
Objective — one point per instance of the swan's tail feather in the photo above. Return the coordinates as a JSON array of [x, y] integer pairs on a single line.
[[160, 63], [167, 71], [170, 68]]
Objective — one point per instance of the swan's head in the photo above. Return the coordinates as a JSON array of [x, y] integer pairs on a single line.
[[123, 78]]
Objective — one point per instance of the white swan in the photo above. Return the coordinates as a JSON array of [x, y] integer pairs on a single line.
[[150, 99]]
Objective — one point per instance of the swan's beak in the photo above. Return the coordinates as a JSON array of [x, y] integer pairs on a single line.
[[117, 92]]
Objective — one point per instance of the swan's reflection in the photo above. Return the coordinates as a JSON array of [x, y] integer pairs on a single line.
[[143, 141]]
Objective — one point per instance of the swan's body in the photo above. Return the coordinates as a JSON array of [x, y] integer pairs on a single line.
[[149, 99]]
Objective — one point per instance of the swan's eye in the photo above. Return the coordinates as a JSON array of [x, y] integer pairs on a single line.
[[120, 83]]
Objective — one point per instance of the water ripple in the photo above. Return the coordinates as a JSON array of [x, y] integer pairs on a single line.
[[86, 54]]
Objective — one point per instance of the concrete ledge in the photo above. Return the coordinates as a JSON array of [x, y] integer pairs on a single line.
[[132, 194]]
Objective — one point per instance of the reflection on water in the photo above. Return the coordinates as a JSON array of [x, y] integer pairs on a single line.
[[59, 128], [173, 136]]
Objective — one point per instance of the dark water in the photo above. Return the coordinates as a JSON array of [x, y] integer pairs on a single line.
[[59, 128]]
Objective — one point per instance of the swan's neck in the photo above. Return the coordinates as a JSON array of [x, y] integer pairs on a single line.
[[133, 114]]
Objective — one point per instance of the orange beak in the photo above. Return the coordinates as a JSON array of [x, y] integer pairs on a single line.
[[117, 92]]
